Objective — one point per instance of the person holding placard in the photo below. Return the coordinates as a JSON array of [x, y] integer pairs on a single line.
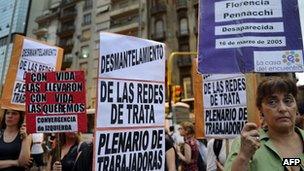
[[261, 149], [190, 156], [70, 149], [170, 161], [15, 143]]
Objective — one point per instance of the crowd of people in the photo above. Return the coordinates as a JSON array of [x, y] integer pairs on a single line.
[[258, 148], [280, 136], [20, 151]]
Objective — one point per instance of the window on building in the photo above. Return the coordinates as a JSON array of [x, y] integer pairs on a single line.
[[69, 42], [87, 19], [185, 81], [85, 52], [68, 57], [183, 26], [159, 28], [187, 87], [88, 4], [86, 35]]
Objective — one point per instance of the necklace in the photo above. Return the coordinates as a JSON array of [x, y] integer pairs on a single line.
[[9, 138]]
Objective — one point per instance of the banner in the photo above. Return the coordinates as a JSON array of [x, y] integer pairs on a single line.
[[140, 149], [130, 104], [27, 56], [56, 102], [249, 36], [225, 110]]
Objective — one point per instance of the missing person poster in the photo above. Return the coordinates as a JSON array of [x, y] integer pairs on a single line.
[[56, 102], [225, 110], [27, 56], [131, 104], [238, 36]]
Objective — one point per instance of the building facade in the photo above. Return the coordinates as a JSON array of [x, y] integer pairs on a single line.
[[175, 22], [128, 17], [13, 20]]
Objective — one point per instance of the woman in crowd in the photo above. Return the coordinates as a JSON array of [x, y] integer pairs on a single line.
[[264, 149], [216, 154], [170, 160], [37, 150], [190, 156], [71, 148], [15, 144]]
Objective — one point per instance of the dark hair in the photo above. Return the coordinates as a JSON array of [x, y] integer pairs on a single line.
[[21, 113], [271, 85], [62, 137], [301, 107], [171, 128]]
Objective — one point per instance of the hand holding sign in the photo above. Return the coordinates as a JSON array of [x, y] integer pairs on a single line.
[[249, 140], [23, 132]]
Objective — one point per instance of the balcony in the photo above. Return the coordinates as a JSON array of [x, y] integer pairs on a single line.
[[70, 15], [40, 31], [159, 36], [67, 62], [184, 33], [125, 23], [68, 3], [129, 8], [47, 16], [66, 31], [158, 8], [66, 45], [181, 5]]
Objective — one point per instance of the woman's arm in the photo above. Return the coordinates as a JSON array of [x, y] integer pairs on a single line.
[[170, 157], [249, 144], [56, 165], [187, 157], [219, 166], [240, 163], [8, 163], [25, 153]]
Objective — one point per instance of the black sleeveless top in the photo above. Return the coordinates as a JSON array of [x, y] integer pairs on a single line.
[[68, 160], [10, 151]]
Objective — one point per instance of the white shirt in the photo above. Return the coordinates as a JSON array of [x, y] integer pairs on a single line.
[[37, 143], [211, 158]]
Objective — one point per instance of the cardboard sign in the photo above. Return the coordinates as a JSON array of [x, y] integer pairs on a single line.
[[225, 110], [140, 149], [131, 104], [27, 56], [56, 102]]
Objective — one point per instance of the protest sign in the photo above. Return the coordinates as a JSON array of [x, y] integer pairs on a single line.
[[130, 103], [249, 36], [55, 102], [225, 110], [27, 56], [140, 149]]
